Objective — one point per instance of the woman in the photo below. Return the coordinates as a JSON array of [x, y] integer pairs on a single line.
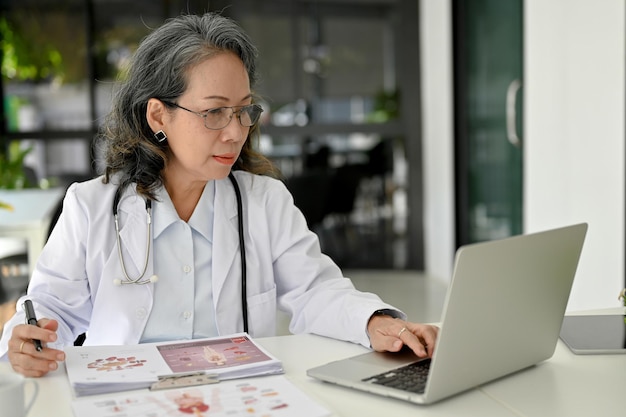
[[168, 265]]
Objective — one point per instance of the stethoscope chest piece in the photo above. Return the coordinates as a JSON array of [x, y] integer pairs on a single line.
[[119, 282]]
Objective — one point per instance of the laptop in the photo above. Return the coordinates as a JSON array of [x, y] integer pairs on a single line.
[[502, 313]]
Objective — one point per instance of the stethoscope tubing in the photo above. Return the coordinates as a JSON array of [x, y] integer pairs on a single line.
[[128, 280], [242, 252]]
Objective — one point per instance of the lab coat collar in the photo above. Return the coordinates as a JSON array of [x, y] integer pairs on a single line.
[[202, 218], [164, 213]]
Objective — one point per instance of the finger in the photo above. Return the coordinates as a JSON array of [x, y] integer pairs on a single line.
[[414, 342], [45, 331], [430, 338], [49, 324], [27, 347], [428, 335], [33, 370], [29, 372], [26, 359], [422, 339]]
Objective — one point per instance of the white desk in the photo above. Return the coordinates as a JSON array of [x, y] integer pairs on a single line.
[[30, 219], [566, 385]]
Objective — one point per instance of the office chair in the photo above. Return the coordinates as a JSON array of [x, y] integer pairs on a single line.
[[310, 191]]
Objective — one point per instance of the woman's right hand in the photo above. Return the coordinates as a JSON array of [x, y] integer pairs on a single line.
[[24, 358]]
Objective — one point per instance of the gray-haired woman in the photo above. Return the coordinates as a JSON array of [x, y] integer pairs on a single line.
[[187, 234]]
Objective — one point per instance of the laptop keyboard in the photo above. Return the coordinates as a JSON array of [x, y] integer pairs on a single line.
[[411, 377]]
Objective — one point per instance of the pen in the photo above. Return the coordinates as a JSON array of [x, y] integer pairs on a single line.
[[32, 319]]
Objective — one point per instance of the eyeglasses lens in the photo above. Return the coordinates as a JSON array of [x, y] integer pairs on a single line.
[[249, 115], [221, 117]]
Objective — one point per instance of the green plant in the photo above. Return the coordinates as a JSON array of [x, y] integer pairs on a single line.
[[12, 174], [386, 107], [28, 57]]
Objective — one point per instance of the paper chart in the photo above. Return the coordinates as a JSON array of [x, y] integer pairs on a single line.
[[270, 396]]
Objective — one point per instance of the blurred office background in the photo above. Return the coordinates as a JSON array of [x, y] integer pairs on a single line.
[[332, 77], [404, 128]]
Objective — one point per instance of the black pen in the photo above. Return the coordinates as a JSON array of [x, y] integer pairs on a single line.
[[32, 319]]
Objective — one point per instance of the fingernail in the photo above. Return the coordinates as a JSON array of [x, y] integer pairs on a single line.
[[61, 357], [53, 366]]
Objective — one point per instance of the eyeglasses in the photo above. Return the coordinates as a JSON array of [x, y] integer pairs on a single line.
[[219, 117]]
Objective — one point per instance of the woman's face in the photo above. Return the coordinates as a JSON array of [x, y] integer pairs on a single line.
[[198, 153]]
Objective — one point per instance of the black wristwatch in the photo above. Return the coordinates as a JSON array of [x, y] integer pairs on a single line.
[[386, 312]]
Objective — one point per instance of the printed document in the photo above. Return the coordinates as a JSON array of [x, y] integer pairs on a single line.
[[104, 369]]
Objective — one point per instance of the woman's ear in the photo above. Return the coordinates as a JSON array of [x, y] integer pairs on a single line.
[[155, 114]]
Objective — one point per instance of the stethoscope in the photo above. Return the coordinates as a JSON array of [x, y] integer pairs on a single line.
[[141, 280]]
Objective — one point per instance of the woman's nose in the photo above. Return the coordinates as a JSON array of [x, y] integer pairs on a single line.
[[234, 131]]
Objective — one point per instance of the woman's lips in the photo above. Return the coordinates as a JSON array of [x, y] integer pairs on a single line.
[[226, 159]]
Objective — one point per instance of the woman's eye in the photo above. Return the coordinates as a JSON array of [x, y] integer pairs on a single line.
[[215, 112]]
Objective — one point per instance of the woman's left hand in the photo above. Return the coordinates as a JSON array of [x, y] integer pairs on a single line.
[[390, 334]]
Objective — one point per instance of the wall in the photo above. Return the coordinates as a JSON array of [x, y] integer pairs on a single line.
[[437, 136], [573, 135]]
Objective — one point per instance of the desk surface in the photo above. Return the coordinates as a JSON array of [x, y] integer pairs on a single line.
[[30, 206], [30, 219], [566, 385]]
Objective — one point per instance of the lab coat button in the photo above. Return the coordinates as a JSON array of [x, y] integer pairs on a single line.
[[140, 313], [186, 269], [187, 314]]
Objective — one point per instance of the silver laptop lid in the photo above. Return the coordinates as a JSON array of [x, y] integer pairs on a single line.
[[505, 308]]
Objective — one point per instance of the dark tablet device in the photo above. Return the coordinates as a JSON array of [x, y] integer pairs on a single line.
[[586, 335]]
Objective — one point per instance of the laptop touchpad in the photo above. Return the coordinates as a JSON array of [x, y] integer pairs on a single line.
[[387, 359]]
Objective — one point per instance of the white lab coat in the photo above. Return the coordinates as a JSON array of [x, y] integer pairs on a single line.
[[73, 281]]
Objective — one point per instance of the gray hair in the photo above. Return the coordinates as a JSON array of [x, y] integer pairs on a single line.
[[162, 60], [159, 69]]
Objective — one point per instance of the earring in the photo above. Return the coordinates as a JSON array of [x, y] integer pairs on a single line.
[[160, 136]]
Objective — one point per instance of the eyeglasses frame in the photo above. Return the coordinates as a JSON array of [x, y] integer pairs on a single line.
[[236, 111]]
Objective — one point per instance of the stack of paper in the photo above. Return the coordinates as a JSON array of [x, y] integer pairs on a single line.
[[103, 369]]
